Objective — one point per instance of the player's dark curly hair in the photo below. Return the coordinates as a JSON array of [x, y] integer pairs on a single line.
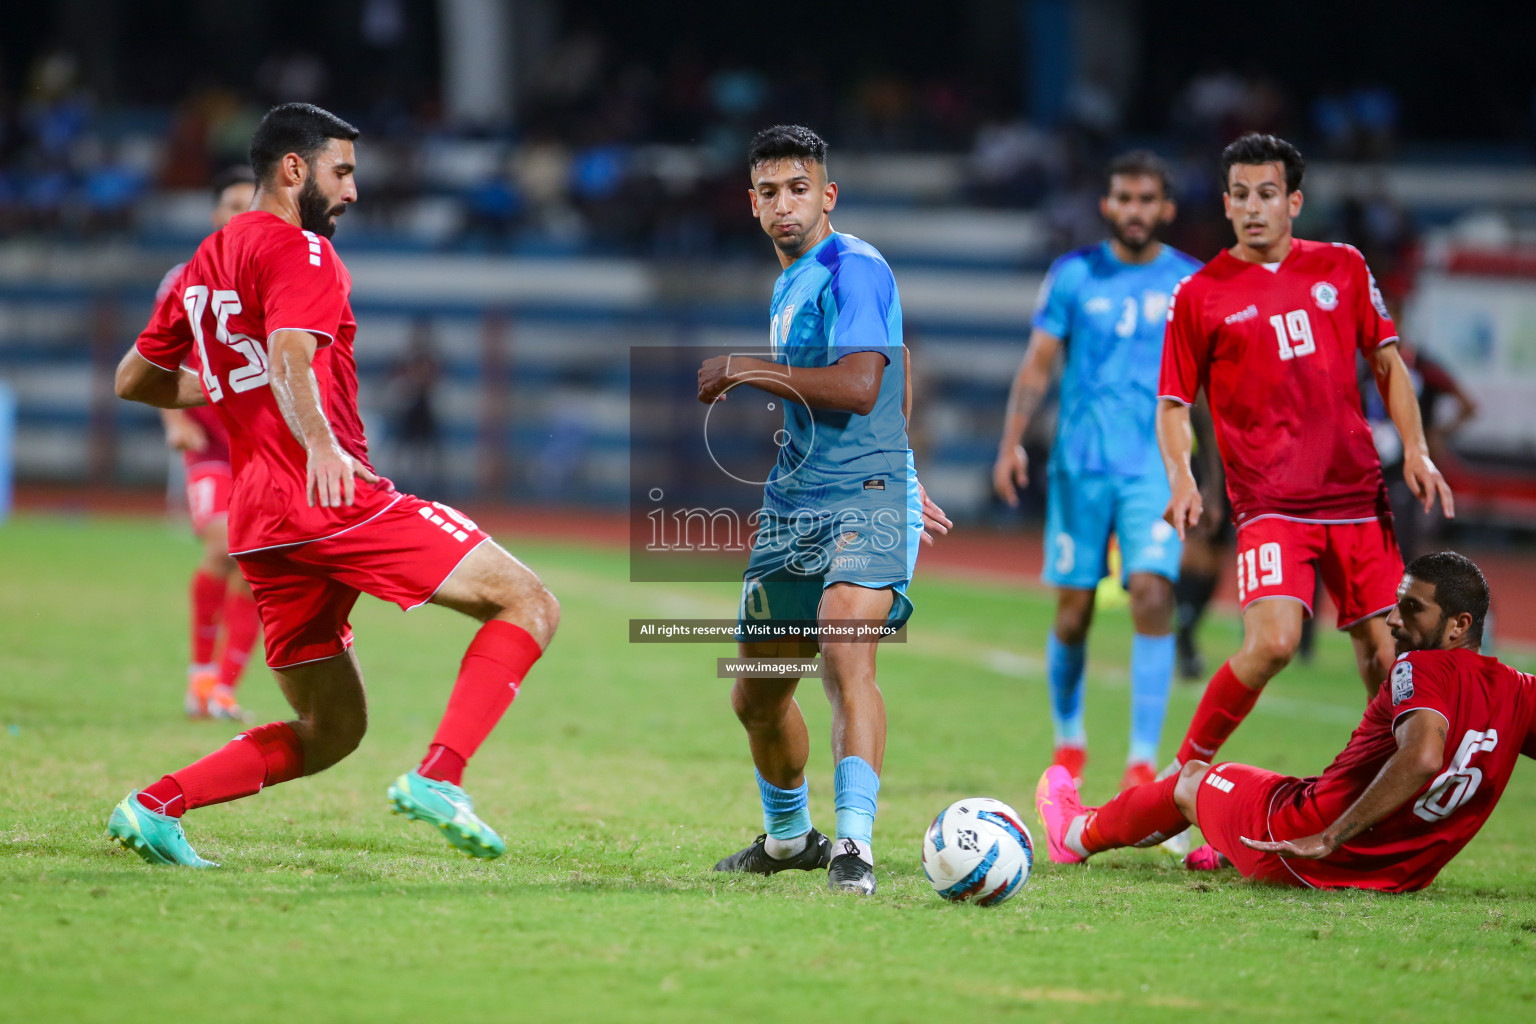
[[1255, 148], [1140, 162], [301, 128], [1459, 587], [236, 175], [786, 141]]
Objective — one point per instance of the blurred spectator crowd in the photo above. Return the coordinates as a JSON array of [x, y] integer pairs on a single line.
[[609, 155]]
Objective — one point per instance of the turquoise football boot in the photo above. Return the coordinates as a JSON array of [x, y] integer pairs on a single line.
[[157, 838], [449, 808]]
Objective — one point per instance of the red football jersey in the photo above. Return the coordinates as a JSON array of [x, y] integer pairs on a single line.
[[254, 277], [1274, 349], [1489, 709], [217, 448]]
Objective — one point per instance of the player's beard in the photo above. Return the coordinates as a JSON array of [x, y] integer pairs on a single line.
[[316, 213], [1135, 246], [1403, 643]]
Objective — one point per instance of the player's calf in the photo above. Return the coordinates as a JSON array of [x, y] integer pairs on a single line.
[[332, 708]]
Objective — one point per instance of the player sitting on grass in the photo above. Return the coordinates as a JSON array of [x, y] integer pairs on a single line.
[[1420, 775]]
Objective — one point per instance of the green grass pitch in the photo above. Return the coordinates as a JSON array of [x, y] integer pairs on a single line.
[[618, 778]]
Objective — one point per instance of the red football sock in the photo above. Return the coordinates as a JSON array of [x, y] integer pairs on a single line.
[[207, 606], [241, 624], [1223, 707], [442, 764], [493, 668], [263, 756], [1140, 815], [164, 797]]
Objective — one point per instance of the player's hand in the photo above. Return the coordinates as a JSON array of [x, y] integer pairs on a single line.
[[1010, 473], [331, 475], [1185, 507], [1309, 848], [934, 519], [1426, 483], [183, 434], [714, 379]]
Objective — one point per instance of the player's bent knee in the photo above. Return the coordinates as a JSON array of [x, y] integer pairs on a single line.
[[1273, 650], [1151, 602], [759, 704], [1072, 624]]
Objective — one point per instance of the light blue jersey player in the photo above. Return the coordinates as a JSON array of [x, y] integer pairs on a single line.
[[842, 513], [1107, 305]]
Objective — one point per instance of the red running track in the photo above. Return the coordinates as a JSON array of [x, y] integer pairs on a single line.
[[1011, 557]]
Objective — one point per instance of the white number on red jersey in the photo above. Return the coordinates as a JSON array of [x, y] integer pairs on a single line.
[[1268, 559], [1458, 783], [1294, 332], [225, 303], [196, 301]]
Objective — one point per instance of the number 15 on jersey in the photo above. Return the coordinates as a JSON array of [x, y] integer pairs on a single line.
[[225, 303]]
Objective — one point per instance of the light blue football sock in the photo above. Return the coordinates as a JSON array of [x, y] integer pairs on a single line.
[[786, 812], [856, 787], [1151, 678], [1064, 670]]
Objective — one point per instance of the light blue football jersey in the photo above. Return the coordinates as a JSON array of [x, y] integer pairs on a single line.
[[837, 299], [1111, 316]]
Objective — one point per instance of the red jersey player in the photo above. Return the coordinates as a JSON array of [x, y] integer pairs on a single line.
[[221, 602], [1421, 774], [1270, 329], [265, 303]]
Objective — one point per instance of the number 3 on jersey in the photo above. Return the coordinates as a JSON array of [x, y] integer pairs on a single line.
[[225, 304]]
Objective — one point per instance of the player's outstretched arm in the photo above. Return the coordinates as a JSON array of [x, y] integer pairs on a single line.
[[140, 380], [1010, 471], [1396, 388], [852, 384], [1420, 753], [329, 478], [1175, 440]]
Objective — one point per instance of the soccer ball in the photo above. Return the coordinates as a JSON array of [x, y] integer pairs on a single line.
[[978, 850]]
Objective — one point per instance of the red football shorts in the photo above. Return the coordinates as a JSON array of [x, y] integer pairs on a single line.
[[306, 591], [208, 487], [1236, 800], [1360, 563]]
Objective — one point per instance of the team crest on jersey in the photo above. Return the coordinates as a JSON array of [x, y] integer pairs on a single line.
[[1154, 306], [1325, 295], [1402, 682]]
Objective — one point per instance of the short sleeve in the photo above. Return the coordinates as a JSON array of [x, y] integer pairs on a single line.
[[860, 295], [1186, 349], [167, 340], [1375, 324], [1421, 681], [303, 286], [1053, 306]]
